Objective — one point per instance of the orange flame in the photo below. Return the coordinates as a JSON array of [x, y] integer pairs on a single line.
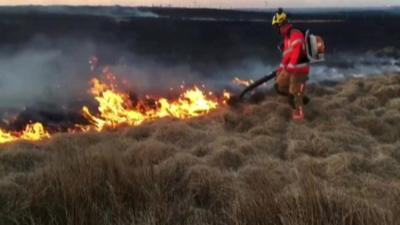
[[115, 108], [32, 132], [6, 137]]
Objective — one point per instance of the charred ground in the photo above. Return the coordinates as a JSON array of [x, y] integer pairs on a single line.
[[244, 165]]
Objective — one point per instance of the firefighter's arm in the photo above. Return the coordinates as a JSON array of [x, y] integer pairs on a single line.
[[285, 60], [296, 44]]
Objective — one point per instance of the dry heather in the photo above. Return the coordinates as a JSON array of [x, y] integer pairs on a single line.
[[247, 166]]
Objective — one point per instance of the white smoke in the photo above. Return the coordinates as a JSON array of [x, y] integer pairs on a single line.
[[61, 72]]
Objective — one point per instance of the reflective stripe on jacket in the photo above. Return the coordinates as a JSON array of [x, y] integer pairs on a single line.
[[294, 52]]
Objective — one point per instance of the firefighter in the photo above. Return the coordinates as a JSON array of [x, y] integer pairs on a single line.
[[292, 73]]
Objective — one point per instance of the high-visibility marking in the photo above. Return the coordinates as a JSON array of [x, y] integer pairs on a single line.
[[302, 88], [297, 66], [301, 111], [296, 42], [287, 51]]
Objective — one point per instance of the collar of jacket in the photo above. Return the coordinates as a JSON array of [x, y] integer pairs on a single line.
[[285, 29]]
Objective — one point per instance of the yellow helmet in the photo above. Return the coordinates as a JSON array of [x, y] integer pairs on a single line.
[[279, 18]]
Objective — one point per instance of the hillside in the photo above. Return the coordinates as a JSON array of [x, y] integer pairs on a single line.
[[243, 165]]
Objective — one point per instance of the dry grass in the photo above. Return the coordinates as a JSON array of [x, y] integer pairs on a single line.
[[246, 166]]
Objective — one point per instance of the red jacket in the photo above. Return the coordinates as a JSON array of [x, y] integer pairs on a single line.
[[294, 54]]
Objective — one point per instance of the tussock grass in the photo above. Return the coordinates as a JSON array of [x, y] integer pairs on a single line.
[[247, 166]]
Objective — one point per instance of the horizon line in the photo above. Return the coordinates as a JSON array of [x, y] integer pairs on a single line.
[[201, 7]]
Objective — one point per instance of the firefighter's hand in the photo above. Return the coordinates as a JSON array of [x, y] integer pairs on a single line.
[[279, 72]]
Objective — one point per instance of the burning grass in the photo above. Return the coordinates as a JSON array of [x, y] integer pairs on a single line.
[[117, 108], [246, 165]]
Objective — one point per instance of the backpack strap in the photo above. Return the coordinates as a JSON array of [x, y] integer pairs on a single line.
[[304, 55]]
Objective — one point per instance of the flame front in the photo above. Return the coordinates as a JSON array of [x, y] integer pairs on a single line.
[[116, 108], [32, 132], [6, 137]]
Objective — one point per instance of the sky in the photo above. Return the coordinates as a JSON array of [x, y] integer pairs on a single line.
[[213, 3]]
